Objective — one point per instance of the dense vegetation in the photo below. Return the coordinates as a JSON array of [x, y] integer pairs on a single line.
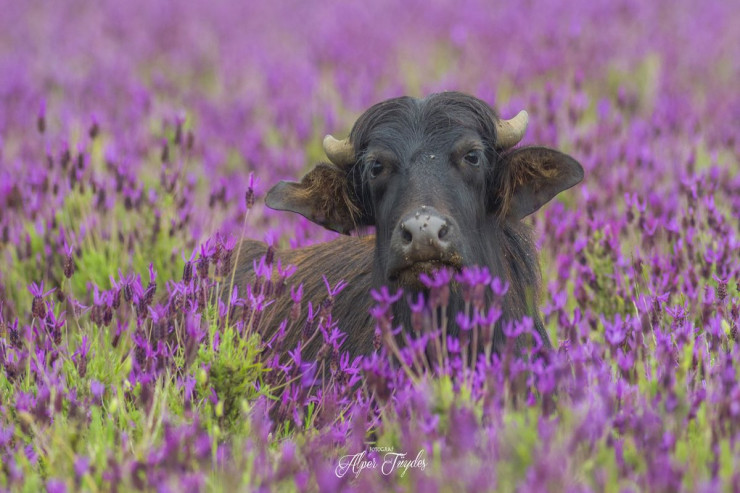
[[137, 140]]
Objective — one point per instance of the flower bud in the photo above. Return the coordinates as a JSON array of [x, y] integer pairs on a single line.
[[250, 198], [69, 266], [187, 272], [38, 309]]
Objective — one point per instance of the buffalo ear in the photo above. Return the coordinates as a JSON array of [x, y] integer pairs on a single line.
[[531, 176], [323, 196]]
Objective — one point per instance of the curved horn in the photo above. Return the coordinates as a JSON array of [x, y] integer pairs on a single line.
[[339, 152], [510, 132]]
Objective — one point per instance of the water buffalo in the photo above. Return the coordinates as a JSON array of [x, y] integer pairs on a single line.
[[442, 184]]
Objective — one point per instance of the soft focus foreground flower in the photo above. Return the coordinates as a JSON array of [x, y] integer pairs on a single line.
[[136, 144]]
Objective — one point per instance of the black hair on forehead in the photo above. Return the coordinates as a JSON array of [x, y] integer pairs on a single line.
[[447, 110], [441, 116], [391, 121]]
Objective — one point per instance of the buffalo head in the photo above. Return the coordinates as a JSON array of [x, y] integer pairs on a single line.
[[439, 179]]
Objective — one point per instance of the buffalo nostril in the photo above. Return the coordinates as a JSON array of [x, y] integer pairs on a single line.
[[443, 231], [406, 235]]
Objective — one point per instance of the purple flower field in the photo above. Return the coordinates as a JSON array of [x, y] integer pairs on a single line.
[[137, 142]]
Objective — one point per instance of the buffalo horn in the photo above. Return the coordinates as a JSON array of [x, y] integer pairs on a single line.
[[509, 132], [339, 152]]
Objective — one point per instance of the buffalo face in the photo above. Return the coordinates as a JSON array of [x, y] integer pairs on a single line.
[[436, 177]]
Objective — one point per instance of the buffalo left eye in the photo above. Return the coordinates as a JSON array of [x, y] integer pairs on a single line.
[[472, 158], [375, 169]]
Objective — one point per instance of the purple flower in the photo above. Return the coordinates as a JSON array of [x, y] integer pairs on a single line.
[[6, 434], [615, 331], [250, 192], [384, 297], [69, 263], [81, 465], [97, 389], [152, 274], [333, 292], [56, 486], [38, 309], [437, 279], [499, 287]]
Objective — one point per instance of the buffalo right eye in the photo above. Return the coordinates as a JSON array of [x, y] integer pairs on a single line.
[[473, 158], [376, 168]]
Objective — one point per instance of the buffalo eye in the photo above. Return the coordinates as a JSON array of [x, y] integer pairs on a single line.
[[376, 168], [472, 158]]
